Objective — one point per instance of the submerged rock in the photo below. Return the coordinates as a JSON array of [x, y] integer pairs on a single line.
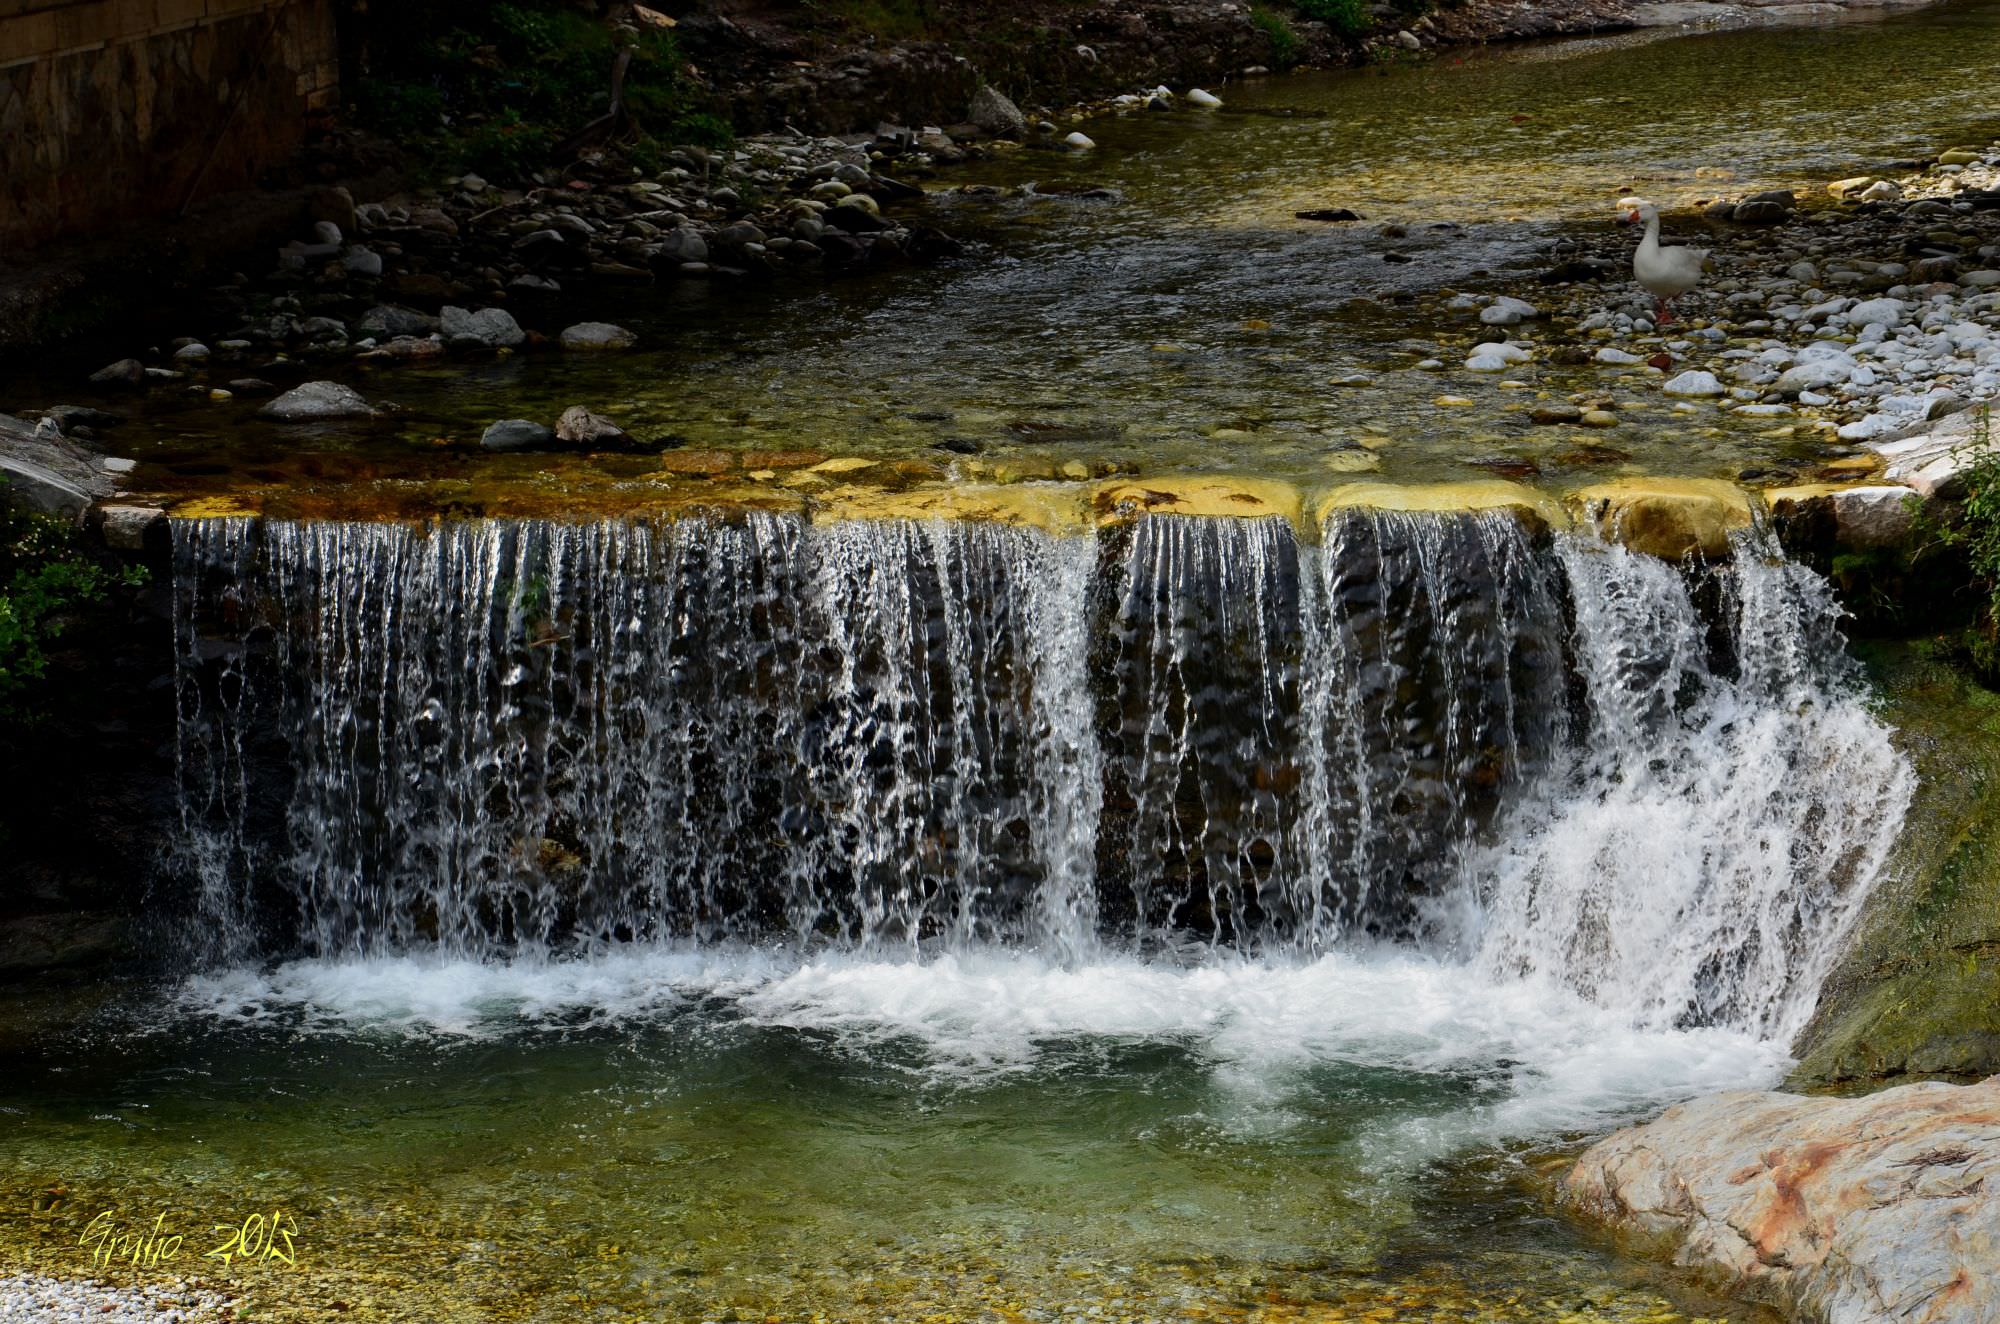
[[597, 335], [516, 434], [318, 400], [1508, 311], [1844, 1210]]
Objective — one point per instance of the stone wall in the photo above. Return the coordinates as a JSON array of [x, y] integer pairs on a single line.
[[114, 110]]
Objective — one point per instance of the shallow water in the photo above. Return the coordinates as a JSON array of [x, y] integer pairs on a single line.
[[1193, 323], [676, 1134]]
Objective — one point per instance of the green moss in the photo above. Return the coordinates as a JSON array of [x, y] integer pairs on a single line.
[[1918, 994], [1285, 43]]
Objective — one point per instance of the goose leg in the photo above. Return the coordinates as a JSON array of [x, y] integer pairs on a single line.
[[1664, 312]]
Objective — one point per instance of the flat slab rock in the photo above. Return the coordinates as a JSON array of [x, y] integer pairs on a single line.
[[1844, 1211]]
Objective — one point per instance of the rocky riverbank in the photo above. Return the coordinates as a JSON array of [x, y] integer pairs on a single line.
[[1841, 1211]]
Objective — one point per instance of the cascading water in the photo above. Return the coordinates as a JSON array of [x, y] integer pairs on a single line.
[[1537, 755]]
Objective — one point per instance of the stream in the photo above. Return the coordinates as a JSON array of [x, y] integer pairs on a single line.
[[749, 918]]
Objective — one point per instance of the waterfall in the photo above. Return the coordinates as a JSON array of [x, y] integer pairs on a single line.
[[1543, 756]]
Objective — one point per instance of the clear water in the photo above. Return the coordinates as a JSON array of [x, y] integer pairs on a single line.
[[1193, 324], [680, 1134]]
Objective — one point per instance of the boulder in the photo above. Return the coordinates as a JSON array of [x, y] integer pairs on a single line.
[[1869, 517], [683, 244], [125, 372], [597, 335], [579, 427], [126, 527], [517, 434], [385, 321], [42, 470], [489, 328], [316, 401], [992, 113], [1843, 1210]]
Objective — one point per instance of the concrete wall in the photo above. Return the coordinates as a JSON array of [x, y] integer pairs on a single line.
[[115, 110]]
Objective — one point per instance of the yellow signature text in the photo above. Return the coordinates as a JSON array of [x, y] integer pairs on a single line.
[[262, 1236]]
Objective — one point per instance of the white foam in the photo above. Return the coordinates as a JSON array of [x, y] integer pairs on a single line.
[[1540, 1058]]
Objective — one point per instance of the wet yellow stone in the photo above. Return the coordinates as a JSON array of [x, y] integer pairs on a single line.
[[1198, 494], [1052, 507], [1665, 517], [214, 507], [843, 464]]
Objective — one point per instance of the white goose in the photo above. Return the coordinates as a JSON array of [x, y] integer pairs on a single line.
[[1665, 273]]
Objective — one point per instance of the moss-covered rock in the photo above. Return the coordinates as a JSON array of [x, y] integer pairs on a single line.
[[1918, 993]]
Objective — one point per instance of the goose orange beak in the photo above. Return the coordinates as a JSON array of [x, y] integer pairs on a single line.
[[1633, 218]]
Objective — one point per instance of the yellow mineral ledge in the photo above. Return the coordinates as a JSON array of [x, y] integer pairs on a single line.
[[1665, 517], [1051, 507], [1198, 494], [1478, 494], [214, 507]]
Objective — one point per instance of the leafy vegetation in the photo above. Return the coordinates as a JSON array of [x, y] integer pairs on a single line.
[[494, 87], [1285, 43], [46, 576], [1347, 17], [1974, 533]]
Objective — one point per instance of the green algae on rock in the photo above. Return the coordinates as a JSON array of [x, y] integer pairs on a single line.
[[1918, 993]]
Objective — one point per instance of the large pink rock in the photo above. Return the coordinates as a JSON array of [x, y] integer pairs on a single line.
[[1845, 1211]]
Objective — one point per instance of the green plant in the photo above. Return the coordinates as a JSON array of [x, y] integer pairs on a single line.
[[1347, 17], [46, 576], [505, 147], [1974, 533], [494, 87], [1285, 43]]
